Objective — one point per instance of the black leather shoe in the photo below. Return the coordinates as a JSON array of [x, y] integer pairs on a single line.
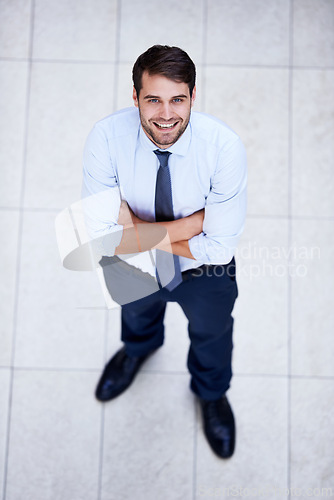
[[118, 375], [219, 426]]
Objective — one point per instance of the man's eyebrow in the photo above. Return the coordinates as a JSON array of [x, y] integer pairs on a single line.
[[149, 96]]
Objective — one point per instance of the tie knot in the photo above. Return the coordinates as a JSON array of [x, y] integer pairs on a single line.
[[163, 157]]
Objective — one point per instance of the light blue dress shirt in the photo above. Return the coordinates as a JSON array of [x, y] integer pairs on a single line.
[[207, 167]]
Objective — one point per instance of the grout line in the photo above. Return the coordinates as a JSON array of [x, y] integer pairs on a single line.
[[101, 455], [204, 64], [56, 369], [196, 405], [102, 417], [203, 107], [311, 377], [289, 278], [269, 66], [28, 209], [106, 314], [72, 61], [54, 210], [56, 61], [14, 59], [205, 32], [93, 308], [106, 336], [18, 257], [288, 376], [261, 375], [313, 68], [149, 371], [292, 217], [311, 217], [204, 55], [264, 216], [10, 209], [117, 54]]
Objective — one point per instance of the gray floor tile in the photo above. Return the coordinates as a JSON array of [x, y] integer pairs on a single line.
[[313, 25], [15, 28], [148, 441], [55, 437], [261, 310], [125, 86], [4, 393], [312, 314], [199, 100], [313, 143], [254, 102], [57, 323], [248, 32], [159, 22], [66, 101], [8, 227], [260, 408], [84, 30], [13, 94], [312, 443]]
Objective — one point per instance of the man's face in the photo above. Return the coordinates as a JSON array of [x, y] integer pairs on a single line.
[[164, 108]]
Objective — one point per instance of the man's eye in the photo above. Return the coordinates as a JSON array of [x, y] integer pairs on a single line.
[[153, 100], [177, 100]]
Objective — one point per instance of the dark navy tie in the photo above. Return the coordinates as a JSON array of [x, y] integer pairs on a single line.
[[168, 265]]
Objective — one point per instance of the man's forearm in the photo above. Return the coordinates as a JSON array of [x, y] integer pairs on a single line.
[[181, 229], [180, 248]]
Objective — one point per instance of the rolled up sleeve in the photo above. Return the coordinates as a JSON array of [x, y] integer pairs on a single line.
[[225, 208], [101, 195]]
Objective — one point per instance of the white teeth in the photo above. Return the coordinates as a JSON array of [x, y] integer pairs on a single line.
[[162, 125]]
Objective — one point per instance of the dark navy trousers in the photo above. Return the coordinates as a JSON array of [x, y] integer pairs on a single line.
[[206, 295]]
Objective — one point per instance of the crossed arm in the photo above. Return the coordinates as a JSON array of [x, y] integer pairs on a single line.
[[171, 236]]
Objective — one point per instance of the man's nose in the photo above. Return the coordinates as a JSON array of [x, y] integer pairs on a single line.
[[165, 111]]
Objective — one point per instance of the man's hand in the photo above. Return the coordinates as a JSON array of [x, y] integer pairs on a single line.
[[196, 223]]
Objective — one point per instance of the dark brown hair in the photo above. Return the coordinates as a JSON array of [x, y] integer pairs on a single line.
[[171, 62]]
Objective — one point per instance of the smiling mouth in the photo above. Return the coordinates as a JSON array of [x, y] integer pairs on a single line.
[[165, 126]]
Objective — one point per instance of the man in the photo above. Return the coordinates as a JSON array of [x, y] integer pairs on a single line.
[[184, 172]]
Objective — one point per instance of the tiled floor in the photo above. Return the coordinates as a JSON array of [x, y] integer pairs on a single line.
[[266, 67]]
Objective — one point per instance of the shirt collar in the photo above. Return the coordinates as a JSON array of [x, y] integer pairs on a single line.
[[180, 147]]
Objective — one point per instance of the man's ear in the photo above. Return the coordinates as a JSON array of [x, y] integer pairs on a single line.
[[134, 97], [193, 96]]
